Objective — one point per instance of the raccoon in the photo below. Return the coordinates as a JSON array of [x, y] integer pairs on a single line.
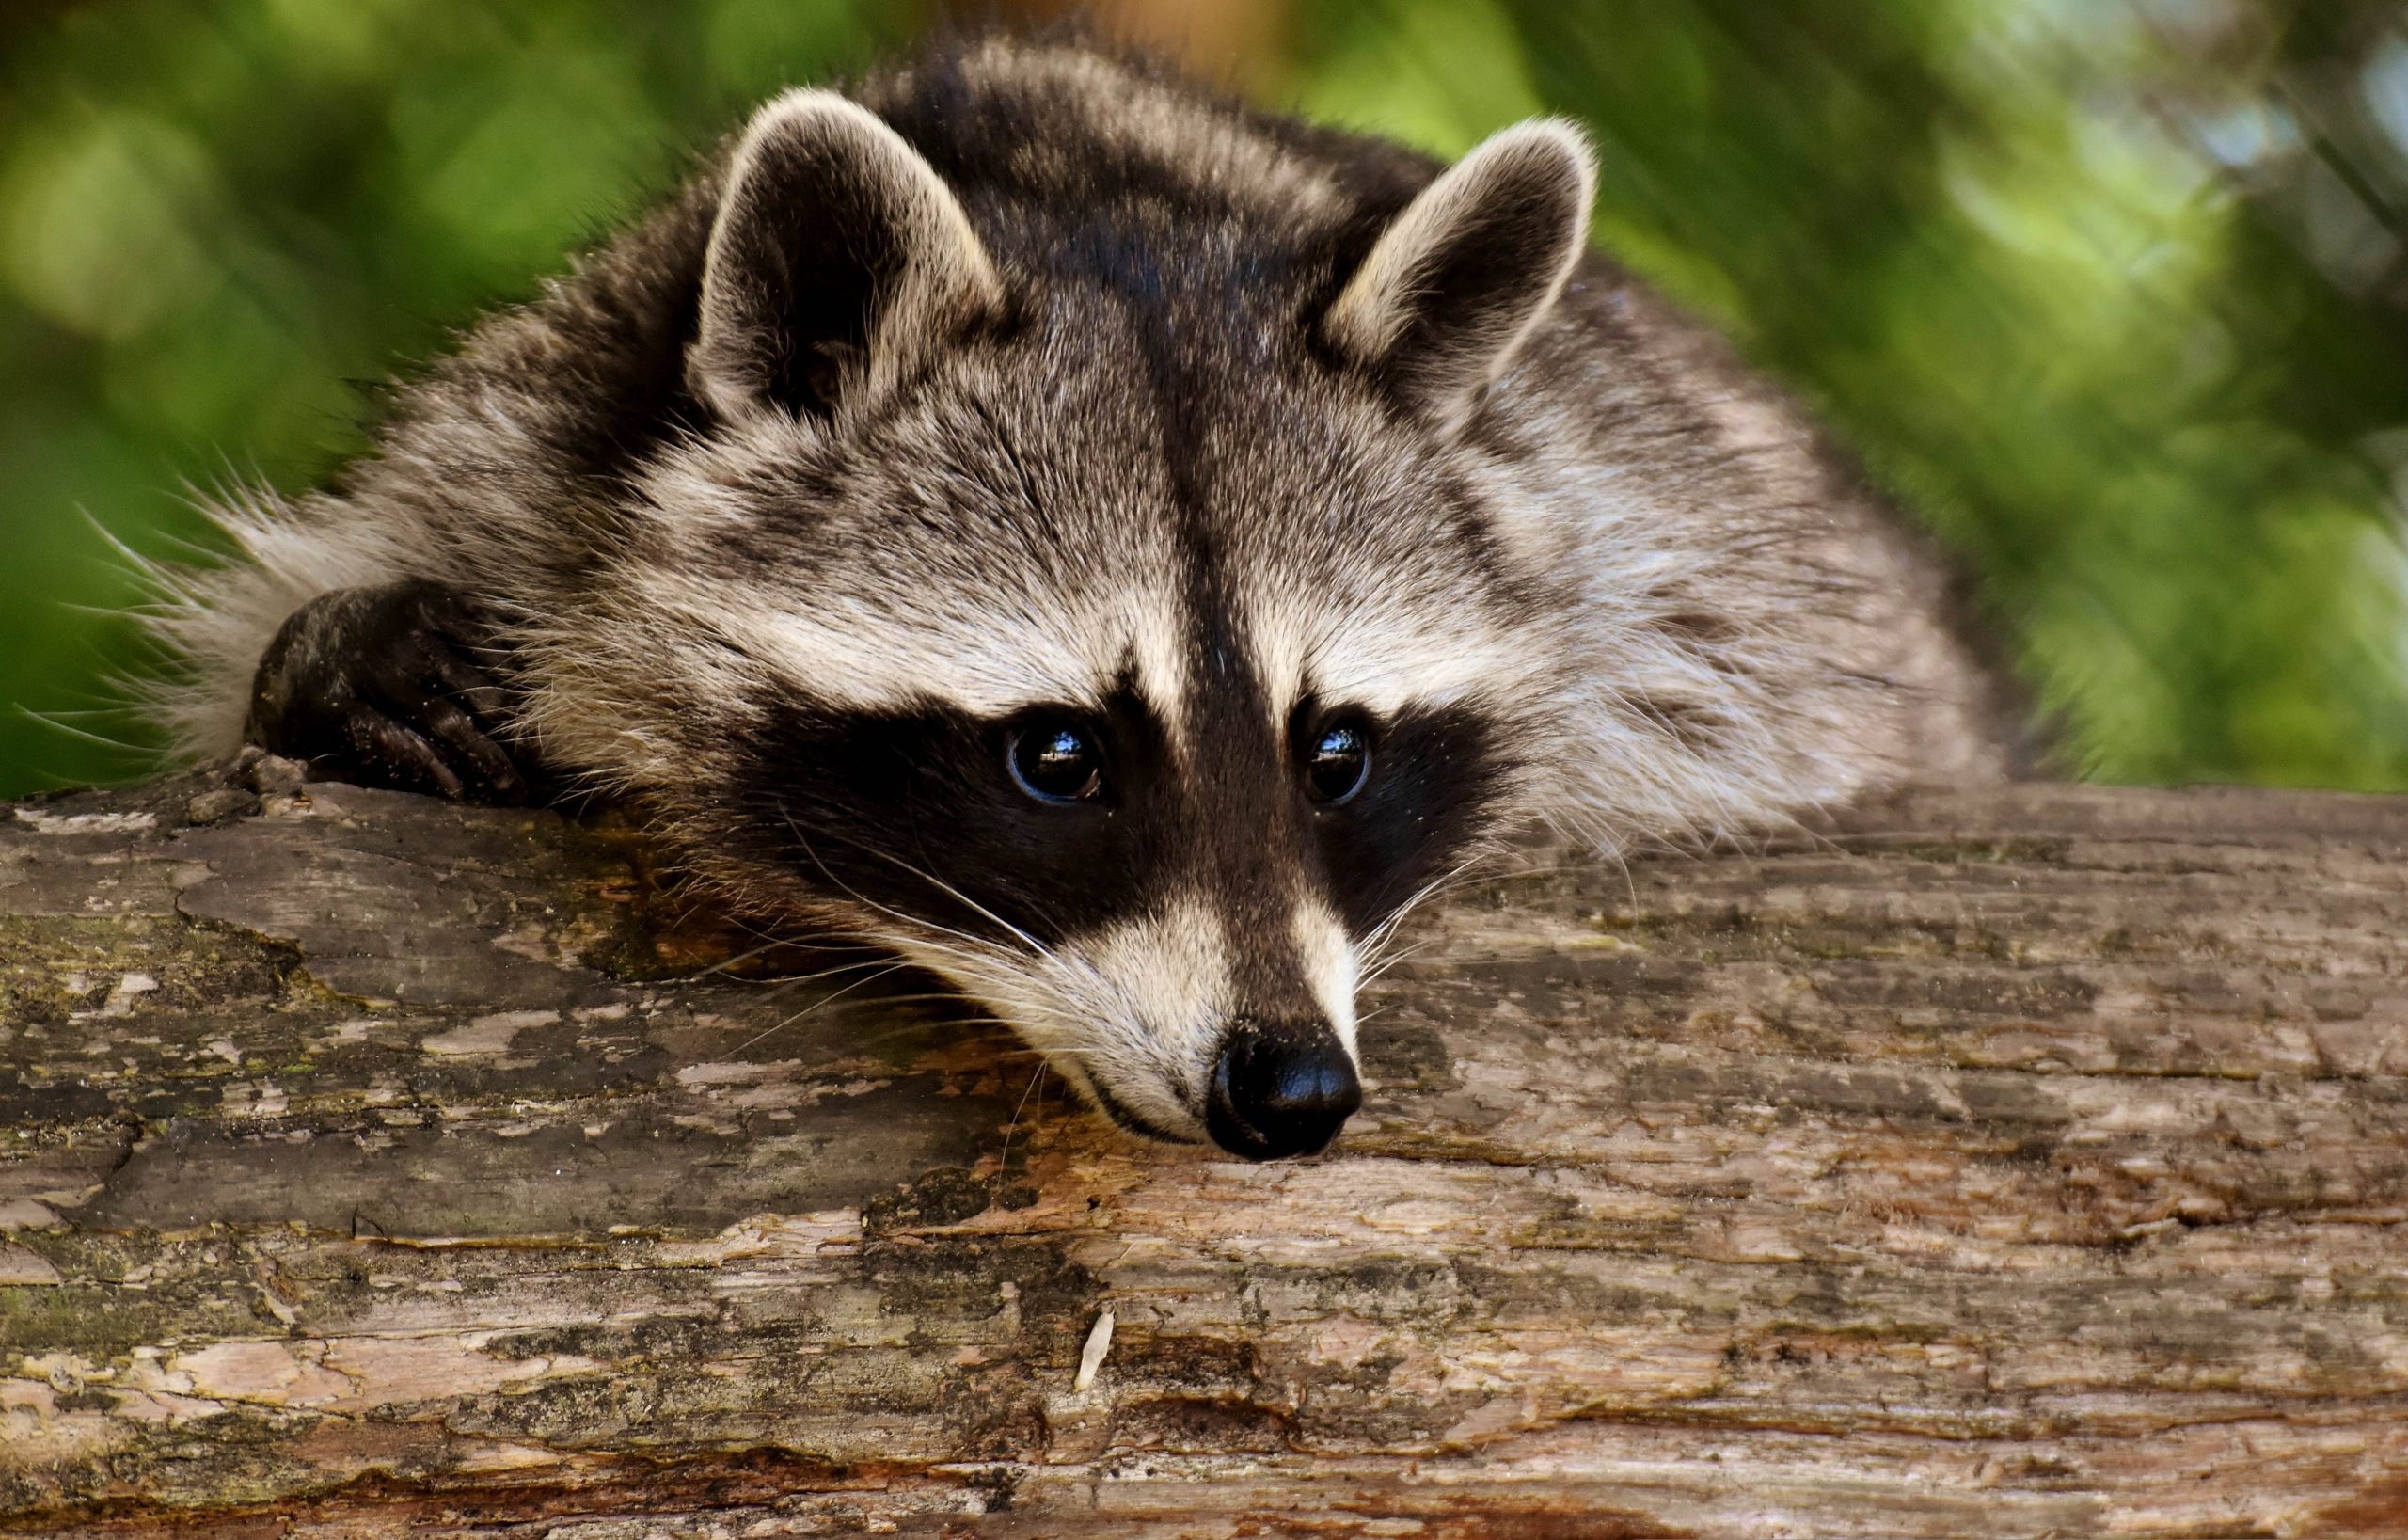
[[1114, 547]]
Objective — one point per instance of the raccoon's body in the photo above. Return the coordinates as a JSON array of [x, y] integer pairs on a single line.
[[1112, 547]]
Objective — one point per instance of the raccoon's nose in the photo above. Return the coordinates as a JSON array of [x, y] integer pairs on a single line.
[[1280, 1089]]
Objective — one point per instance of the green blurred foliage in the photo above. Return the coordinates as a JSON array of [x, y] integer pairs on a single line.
[[2003, 247], [2106, 290], [218, 221]]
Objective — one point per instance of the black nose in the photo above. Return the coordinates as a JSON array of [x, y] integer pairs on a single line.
[[1280, 1089]]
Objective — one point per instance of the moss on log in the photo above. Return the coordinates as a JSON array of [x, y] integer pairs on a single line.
[[2032, 1162]]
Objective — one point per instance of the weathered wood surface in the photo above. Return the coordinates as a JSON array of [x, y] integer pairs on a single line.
[[2033, 1163]]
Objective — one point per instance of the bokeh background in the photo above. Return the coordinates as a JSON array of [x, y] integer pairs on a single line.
[[2109, 293]]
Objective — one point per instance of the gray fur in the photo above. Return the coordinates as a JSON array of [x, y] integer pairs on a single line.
[[1552, 504]]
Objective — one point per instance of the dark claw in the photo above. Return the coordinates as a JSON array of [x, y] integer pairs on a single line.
[[379, 686], [440, 719], [393, 756]]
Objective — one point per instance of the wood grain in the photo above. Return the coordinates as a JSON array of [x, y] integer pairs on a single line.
[[2026, 1163]]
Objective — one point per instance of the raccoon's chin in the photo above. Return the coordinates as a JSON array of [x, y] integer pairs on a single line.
[[1126, 1121]]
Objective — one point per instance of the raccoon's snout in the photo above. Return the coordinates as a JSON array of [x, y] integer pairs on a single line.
[[1280, 1089]]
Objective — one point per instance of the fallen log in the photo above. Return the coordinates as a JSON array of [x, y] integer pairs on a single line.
[[2031, 1162]]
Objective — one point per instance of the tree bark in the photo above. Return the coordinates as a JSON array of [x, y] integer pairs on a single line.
[[2028, 1161]]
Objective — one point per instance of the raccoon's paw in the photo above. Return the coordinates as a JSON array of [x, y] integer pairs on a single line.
[[377, 685]]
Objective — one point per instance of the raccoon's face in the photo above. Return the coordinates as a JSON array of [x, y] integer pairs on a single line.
[[1116, 643]]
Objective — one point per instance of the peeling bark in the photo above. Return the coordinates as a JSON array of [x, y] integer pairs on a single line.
[[2026, 1163]]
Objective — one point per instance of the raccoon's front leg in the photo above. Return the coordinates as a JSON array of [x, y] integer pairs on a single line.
[[376, 685]]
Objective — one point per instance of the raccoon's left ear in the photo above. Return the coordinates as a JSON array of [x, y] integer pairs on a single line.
[[1464, 273], [838, 261]]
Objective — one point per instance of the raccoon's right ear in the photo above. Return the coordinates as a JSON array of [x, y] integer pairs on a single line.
[[838, 261], [1459, 278]]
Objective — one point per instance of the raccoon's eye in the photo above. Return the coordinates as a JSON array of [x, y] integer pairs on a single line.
[[1055, 763], [1338, 762]]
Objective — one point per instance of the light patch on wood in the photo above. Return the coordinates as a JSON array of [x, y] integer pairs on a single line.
[[486, 1035], [129, 988], [783, 1085], [1491, 1419], [1091, 1355], [351, 1375], [21, 1266], [87, 824], [781, 1236], [24, 1213], [264, 1099], [268, 1373]]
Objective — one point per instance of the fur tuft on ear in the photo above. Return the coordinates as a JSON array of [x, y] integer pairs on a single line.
[[839, 258], [1459, 278]]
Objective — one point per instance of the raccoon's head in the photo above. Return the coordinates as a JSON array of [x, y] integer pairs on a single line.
[[1085, 600]]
